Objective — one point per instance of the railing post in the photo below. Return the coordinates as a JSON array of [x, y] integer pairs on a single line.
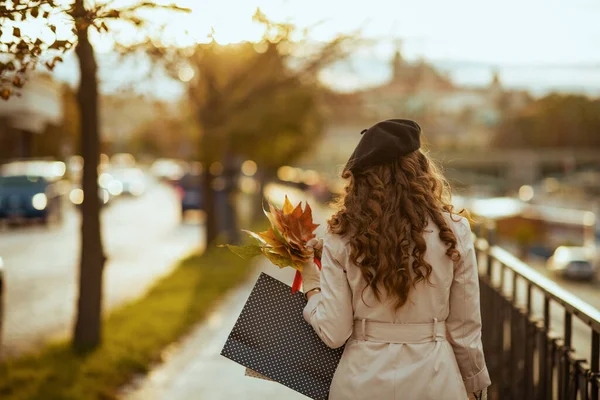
[[544, 353], [496, 317], [491, 239], [595, 364], [529, 346], [564, 366]]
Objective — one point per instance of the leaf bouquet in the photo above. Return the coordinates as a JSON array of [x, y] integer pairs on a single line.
[[284, 243]]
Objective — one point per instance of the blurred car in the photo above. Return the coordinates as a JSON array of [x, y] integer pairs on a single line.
[[541, 252], [189, 189], [127, 181], [574, 262], [49, 169], [321, 191], [25, 197], [168, 169]]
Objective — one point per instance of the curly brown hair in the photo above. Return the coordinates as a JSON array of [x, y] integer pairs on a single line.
[[383, 214]]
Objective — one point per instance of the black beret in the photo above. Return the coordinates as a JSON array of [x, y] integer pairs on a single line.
[[385, 142]]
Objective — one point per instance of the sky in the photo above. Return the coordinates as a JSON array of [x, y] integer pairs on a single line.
[[539, 45], [505, 32]]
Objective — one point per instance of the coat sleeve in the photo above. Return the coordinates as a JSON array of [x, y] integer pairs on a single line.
[[464, 320], [330, 311]]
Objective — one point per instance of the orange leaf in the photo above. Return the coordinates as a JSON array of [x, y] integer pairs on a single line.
[[297, 213], [284, 243], [306, 219]]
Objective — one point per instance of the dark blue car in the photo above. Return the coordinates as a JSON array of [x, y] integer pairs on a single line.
[[189, 189], [24, 197]]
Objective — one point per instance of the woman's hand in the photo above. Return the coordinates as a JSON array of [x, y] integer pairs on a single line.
[[311, 275], [315, 244]]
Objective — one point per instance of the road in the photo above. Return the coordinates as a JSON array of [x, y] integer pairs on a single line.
[[143, 239]]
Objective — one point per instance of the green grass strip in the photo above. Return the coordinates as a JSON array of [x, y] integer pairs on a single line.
[[133, 335]]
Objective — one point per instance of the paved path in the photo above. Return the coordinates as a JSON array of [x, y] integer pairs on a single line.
[[195, 369]]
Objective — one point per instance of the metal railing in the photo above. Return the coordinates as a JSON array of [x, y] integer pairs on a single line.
[[532, 349]]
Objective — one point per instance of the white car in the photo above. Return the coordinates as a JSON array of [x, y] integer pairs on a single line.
[[167, 169], [574, 262]]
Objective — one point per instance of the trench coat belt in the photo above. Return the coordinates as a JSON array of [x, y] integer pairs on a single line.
[[384, 332]]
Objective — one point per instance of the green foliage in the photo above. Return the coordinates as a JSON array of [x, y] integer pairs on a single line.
[[553, 121], [25, 50], [277, 130], [258, 101], [134, 335], [166, 136]]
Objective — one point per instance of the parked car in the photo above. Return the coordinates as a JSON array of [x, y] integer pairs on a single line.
[[168, 170], [574, 262], [189, 189], [49, 169], [25, 197]]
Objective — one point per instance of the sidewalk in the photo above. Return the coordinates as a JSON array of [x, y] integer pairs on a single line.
[[196, 370]]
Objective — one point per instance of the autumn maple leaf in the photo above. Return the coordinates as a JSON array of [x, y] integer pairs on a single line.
[[284, 243]]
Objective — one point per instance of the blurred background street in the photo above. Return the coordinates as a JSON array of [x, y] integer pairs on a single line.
[[145, 238]]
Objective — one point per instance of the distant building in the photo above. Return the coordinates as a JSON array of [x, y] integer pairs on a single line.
[[451, 116], [29, 113], [534, 224], [123, 115]]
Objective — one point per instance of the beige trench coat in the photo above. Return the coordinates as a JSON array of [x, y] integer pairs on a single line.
[[405, 360]]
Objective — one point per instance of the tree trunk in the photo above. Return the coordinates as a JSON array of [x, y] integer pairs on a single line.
[[259, 197], [230, 174], [211, 227], [89, 305]]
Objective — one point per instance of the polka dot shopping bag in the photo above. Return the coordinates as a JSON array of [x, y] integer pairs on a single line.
[[272, 339]]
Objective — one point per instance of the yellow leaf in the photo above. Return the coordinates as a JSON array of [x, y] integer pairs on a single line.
[[288, 208], [255, 236], [270, 238]]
